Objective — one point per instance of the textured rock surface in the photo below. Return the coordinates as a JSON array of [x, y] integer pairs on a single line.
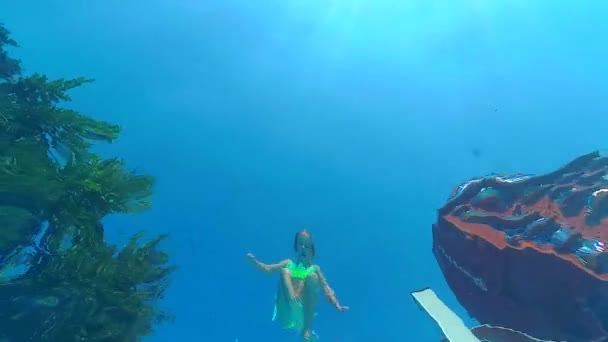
[[500, 334], [528, 252]]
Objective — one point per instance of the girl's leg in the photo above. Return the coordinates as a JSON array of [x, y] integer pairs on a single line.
[[282, 306], [309, 303], [286, 302], [286, 278]]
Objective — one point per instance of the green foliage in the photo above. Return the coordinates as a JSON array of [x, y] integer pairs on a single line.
[[79, 288], [114, 289], [93, 188], [18, 226], [8, 65]]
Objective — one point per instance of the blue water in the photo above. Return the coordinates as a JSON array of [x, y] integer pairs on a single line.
[[352, 118]]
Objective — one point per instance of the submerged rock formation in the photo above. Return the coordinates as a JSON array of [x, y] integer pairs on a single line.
[[529, 252]]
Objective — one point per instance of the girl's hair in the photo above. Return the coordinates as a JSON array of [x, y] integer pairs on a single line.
[[304, 232]]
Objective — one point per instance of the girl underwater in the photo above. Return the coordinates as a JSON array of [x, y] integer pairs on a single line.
[[298, 290]]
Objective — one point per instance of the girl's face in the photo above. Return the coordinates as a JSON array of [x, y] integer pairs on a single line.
[[304, 249]]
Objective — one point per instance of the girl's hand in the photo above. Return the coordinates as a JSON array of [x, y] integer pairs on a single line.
[[341, 308], [251, 257]]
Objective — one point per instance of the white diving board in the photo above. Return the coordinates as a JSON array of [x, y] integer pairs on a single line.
[[450, 324]]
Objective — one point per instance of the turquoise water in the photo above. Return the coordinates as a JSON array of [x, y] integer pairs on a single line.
[[354, 119]]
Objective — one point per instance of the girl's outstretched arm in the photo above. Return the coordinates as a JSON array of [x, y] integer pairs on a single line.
[[268, 268], [329, 292]]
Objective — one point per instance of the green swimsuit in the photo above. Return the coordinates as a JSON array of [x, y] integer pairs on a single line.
[[298, 271]]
